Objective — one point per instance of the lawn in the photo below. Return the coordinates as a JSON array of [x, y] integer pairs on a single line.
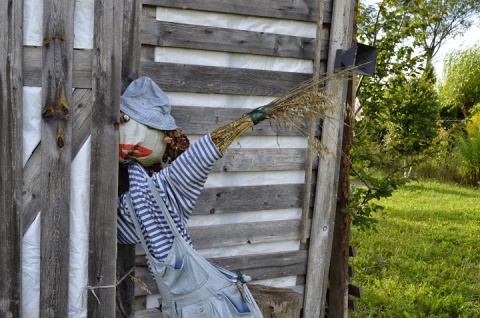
[[424, 261]]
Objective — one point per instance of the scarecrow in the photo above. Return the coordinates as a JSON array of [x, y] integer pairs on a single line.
[[158, 204]]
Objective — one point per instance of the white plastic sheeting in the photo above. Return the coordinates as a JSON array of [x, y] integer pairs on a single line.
[[83, 28]]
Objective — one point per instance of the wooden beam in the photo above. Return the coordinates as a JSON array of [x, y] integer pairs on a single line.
[[281, 9], [81, 73], [179, 77], [132, 11], [169, 34], [106, 85], [328, 171], [220, 80], [11, 81], [202, 120], [249, 198], [56, 156]]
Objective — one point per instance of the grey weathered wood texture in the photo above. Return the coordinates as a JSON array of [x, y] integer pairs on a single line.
[[313, 123], [169, 34], [32, 191], [221, 80], [132, 11], [56, 156], [325, 206], [11, 81], [106, 86], [180, 77], [283, 9]]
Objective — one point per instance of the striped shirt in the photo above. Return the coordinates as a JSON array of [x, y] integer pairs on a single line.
[[179, 186]]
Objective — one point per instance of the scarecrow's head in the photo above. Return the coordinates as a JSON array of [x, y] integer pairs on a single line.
[[148, 133]]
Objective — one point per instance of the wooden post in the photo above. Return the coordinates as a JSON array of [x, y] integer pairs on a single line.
[[338, 301], [327, 181], [130, 66], [56, 156], [339, 277], [312, 128], [106, 84], [11, 81]]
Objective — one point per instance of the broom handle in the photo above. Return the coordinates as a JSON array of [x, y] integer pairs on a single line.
[[312, 126]]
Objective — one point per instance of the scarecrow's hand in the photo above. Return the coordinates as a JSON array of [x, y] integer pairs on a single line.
[[259, 114]]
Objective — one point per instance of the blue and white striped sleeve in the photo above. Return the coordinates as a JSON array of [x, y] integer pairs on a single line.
[[186, 177], [126, 232]]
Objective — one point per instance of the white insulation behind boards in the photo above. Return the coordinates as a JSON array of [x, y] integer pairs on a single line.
[[83, 28]]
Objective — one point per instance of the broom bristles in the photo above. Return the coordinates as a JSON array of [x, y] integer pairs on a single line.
[[305, 102]]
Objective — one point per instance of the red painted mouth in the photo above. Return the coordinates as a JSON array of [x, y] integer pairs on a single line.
[[133, 151]]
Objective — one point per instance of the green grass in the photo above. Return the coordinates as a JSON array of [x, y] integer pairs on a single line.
[[424, 261]]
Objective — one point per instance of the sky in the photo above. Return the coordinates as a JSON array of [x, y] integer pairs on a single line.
[[469, 38]]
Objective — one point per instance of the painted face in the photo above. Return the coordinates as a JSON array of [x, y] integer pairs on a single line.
[[142, 143]]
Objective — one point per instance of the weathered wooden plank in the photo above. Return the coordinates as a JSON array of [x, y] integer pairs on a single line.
[[225, 235], [282, 9], [106, 86], [202, 120], [82, 111], [263, 160], [249, 198], [258, 266], [270, 83], [148, 313], [132, 11], [312, 123], [277, 302], [216, 236], [56, 156], [11, 81], [325, 199], [220, 80], [339, 267], [169, 34], [81, 73]]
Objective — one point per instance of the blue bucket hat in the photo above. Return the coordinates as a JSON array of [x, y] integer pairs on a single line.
[[146, 103]]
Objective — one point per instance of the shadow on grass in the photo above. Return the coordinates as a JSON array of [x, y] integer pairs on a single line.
[[415, 186]]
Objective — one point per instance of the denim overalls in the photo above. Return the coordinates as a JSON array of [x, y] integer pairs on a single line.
[[189, 285]]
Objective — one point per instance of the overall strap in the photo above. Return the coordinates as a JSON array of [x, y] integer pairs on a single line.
[[133, 216], [163, 208]]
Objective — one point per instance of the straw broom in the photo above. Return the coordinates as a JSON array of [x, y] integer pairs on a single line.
[[307, 101]]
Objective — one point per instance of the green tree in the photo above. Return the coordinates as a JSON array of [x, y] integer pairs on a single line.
[[460, 85], [399, 105], [446, 20]]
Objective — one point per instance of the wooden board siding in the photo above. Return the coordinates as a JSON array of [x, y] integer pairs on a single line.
[[205, 79], [11, 78], [170, 34], [106, 86], [282, 9], [56, 156]]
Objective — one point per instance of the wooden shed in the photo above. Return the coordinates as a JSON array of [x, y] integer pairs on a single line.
[[268, 208]]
